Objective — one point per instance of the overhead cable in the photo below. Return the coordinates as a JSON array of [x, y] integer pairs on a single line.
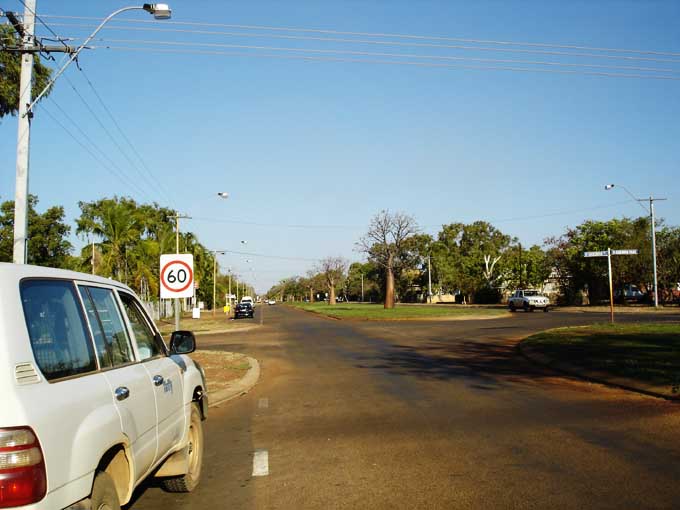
[[389, 55], [313, 58], [381, 34]]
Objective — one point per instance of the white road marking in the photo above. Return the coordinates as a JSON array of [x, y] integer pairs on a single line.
[[261, 463], [263, 403]]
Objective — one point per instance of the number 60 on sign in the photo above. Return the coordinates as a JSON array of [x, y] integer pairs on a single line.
[[177, 276]]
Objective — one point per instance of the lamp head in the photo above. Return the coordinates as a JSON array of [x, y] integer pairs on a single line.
[[223, 194], [159, 11], [609, 186]]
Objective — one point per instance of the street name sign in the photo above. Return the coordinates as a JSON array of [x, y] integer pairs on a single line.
[[177, 275], [608, 253]]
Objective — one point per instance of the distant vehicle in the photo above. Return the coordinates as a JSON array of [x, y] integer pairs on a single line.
[[244, 310], [248, 299], [271, 302], [528, 300]]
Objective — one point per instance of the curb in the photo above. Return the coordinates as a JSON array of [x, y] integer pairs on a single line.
[[237, 388], [595, 377]]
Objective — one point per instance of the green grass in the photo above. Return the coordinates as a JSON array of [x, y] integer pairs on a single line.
[[645, 352], [401, 312]]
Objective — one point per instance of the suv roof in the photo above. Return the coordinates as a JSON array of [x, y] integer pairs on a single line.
[[14, 272]]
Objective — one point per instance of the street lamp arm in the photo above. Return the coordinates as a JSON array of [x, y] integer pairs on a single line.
[[638, 200], [75, 54]]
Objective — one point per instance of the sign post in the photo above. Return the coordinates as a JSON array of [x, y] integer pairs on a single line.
[[608, 253], [177, 279]]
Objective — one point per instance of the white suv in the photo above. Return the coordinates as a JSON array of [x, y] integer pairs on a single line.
[[93, 400]]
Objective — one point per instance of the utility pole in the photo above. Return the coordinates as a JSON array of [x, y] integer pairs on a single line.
[[177, 306], [27, 31], [520, 266], [362, 287], [429, 280], [651, 214], [28, 50], [92, 254]]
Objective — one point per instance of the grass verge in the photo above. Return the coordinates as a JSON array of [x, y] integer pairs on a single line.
[[205, 324], [221, 368], [365, 311], [646, 353]]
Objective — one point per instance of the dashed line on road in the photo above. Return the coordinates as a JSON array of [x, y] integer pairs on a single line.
[[263, 403], [261, 463]]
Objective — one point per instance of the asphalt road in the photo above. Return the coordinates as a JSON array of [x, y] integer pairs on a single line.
[[426, 415]]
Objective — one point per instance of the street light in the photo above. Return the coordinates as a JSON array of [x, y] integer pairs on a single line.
[[19, 251], [223, 194], [651, 200]]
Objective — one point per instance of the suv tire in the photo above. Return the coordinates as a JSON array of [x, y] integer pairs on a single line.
[[189, 481], [104, 494], [512, 307]]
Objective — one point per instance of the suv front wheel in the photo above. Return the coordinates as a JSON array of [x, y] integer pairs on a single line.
[[189, 481]]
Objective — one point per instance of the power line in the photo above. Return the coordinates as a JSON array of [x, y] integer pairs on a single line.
[[105, 129], [278, 257], [383, 43], [438, 225], [153, 178], [391, 62], [390, 55], [383, 35], [94, 156]]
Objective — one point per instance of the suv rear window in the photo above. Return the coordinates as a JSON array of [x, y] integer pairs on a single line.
[[56, 326]]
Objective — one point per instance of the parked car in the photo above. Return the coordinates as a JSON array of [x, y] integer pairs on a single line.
[[93, 400], [630, 293], [528, 300], [244, 310]]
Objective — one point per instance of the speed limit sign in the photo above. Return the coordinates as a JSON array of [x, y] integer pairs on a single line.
[[177, 276]]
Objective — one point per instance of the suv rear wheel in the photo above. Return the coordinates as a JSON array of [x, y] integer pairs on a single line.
[[104, 494]]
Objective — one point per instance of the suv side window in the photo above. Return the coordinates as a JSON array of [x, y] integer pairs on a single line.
[[110, 336], [147, 344], [57, 328]]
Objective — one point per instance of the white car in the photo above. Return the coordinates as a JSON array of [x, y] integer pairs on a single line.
[[528, 300], [247, 300], [93, 400]]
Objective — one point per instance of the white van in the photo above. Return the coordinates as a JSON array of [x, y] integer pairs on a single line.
[[93, 400], [248, 299]]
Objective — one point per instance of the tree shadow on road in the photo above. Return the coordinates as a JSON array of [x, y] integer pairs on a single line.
[[484, 366]]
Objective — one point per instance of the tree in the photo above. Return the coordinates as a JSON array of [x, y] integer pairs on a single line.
[[668, 261], [576, 273], [333, 271], [385, 244], [118, 225], [10, 72], [47, 235], [469, 258]]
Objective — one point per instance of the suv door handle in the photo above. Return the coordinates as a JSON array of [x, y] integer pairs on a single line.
[[157, 380], [122, 393]]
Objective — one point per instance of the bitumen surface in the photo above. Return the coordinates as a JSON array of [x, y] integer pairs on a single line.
[[426, 415]]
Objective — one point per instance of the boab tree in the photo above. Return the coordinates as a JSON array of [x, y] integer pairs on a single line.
[[385, 244], [332, 269]]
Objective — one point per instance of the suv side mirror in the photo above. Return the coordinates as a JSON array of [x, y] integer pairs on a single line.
[[182, 342]]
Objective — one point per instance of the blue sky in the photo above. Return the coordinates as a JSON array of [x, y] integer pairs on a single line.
[[311, 150]]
